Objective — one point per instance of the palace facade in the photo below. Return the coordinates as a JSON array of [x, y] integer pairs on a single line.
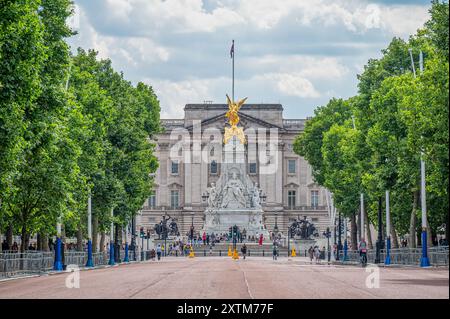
[[183, 176]]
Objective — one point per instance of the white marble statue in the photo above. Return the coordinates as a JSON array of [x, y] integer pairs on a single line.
[[233, 194], [212, 199], [256, 200]]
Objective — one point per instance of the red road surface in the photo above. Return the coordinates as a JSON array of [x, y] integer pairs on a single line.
[[254, 277]]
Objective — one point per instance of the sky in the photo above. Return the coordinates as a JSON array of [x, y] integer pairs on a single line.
[[299, 53]]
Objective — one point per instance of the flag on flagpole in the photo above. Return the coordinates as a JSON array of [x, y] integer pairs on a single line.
[[232, 50]]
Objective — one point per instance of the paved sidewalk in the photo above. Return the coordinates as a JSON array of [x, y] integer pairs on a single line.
[[222, 277]]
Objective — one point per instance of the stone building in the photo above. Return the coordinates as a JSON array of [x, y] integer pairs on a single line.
[[181, 181]]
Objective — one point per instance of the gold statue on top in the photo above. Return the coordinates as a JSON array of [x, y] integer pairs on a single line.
[[233, 119]]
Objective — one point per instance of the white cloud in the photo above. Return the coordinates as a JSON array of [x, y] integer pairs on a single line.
[[174, 95], [404, 20], [129, 50], [311, 67], [290, 84], [310, 48], [119, 9]]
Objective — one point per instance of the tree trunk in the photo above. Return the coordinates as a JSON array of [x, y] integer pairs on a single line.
[[447, 228], [39, 241], [95, 234], [44, 242], [24, 240], [368, 232], [79, 240], [394, 239], [354, 232], [102, 242], [412, 222], [9, 236], [429, 238]]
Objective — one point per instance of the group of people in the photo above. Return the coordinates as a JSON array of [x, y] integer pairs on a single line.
[[7, 247], [211, 239], [315, 253]]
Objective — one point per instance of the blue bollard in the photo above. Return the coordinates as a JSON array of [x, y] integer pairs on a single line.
[[126, 259], [387, 261], [58, 266], [90, 261], [345, 251], [424, 261], [111, 254]]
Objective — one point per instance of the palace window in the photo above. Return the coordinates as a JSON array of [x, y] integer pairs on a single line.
[[152, 200], [314, 198], [291, 166], [213, 168], [174, 199], [175, 168], [291, 199], [252, 168]]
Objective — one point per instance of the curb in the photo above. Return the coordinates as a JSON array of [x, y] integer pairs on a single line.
[[53, 273], [391, 265]]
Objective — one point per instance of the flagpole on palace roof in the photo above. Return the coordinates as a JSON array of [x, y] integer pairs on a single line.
[[232, 56]]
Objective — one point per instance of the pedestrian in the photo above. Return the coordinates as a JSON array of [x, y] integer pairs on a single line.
[[204, 238], [261, 239], [5, 245], [311, 254], [317, 254], [159, 251], [244, 250], [274, 252]]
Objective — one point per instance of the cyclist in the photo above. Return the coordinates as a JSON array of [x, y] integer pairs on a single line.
[[363, 252]]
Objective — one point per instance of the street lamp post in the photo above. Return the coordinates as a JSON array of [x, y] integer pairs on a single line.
[[192, 228], [361, 231], [339, 245], [133, 237], [111, 241], [288, 240], [327, 234], [424, 261], [90, 262], [345, 240], [126, 259], [387, 261], [148, 239], [58, 266]]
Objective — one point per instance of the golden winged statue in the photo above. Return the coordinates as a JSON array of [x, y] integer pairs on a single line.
[[233, 119]]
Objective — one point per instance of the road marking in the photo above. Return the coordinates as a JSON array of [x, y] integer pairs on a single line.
[[246, 283]]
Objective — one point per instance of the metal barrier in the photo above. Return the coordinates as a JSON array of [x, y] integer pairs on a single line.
[[14, 264], [438, 256]]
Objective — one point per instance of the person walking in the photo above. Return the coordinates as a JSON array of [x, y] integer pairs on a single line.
[[317, 254], [204, 238], [311, 254], [274, 252], [261, 239], [244, 250], [158, 251]]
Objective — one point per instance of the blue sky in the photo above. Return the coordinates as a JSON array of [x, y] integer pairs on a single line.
[[299, 53]]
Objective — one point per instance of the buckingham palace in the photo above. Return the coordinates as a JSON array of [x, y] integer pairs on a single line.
[[181, 182]]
